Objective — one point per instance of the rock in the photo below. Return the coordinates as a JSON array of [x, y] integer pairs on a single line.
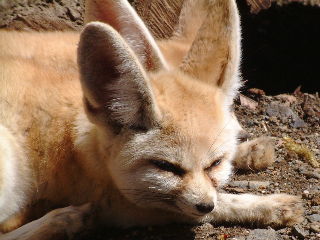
[[248, 102], [310, 174], [257, 91], [315, 201], [298, 122], [314, 218], [287, 98], [279, 110], [263, 234], [307, 106], [238, 238], [315, 227], [60, 10], [299, 232], [235, 190], [258, 184], [243, 136], [73, 14], [313, 175], [250, 184], [305, 194], [239, 184], [315, 209], [284, 113]]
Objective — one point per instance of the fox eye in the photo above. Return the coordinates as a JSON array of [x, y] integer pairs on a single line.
[[215, 163], [168, 167]]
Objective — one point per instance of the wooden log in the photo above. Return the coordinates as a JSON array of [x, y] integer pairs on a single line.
[[161, 16]]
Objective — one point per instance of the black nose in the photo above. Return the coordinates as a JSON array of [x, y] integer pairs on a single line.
[[205, 207]]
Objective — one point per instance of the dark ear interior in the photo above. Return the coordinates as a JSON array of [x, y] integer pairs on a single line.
[[115, 87]]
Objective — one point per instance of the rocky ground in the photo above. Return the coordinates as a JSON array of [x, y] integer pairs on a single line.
[[291, 119]]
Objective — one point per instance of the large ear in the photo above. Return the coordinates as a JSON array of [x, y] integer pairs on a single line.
[[122, 17], [115, 87], [191, 17], [214, 56]]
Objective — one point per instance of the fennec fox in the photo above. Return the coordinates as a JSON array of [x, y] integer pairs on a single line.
[[142, 129]]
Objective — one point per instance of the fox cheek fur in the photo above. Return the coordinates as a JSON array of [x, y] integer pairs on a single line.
[[142, 182]]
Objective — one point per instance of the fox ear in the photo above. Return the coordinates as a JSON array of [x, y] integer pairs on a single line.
[[115, 87], [121, 16], [214, 55]]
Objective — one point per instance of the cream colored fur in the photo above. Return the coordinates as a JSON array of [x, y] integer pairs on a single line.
[[146, 135]]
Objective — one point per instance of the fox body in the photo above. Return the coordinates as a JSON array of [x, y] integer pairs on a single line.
[[142, 128]]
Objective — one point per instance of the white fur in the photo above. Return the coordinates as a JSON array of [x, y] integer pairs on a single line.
[[12, 196]]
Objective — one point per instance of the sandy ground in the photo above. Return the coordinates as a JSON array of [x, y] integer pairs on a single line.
[[296, 116]]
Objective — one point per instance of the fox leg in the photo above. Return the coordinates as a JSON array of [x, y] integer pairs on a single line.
[[274, 210], [14, 182], [59, 224], [256, 154]]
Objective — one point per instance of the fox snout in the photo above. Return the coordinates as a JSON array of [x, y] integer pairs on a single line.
[[205, 207], [195, 205], [199, 197]]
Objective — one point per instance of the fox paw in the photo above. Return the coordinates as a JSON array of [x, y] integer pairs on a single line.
[[283, 210], [256, 154]]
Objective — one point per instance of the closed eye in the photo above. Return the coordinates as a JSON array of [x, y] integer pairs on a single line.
[[168, 167], [216, 163]]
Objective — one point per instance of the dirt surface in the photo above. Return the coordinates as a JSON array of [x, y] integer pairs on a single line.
[[295, 116], [41, 15]]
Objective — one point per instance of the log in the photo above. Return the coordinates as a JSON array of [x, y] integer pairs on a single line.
[[150, 10], [162, 27]]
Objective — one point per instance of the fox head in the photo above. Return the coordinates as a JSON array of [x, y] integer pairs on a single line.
[[163, 113]]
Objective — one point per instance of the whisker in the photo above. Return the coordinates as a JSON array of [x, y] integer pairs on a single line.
[[154, 196], [216, 138]]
